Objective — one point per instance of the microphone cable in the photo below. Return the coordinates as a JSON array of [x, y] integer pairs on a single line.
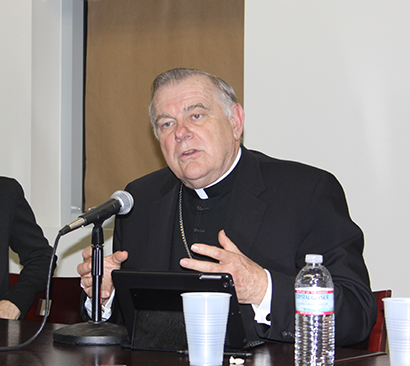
[[50, 273]]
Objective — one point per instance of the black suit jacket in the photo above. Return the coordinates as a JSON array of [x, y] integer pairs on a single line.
[[279, 211], [20, 232]]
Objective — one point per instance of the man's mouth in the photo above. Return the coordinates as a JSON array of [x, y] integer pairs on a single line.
[[188, 152]]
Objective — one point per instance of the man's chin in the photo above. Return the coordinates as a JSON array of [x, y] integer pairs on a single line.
[[195, 182]]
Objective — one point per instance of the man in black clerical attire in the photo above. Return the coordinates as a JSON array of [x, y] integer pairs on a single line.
[[219, 207]]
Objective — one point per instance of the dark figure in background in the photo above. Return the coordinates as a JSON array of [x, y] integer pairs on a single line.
[[219, 207], [20, 232]]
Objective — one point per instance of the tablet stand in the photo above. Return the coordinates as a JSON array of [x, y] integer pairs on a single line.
[[95, 331]]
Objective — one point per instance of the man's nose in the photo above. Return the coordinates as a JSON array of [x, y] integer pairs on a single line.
[[182, 131]]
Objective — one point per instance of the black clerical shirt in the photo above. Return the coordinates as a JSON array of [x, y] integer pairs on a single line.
[[202, 219]]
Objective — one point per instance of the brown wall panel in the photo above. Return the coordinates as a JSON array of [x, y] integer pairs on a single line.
[[129, 42]]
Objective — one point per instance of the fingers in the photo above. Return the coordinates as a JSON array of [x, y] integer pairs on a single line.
[[200, 266], [87, 254], [119, 257], [8, 310], [85, 267], [250, 279], [227, 243], [111, 262], [224, 255]]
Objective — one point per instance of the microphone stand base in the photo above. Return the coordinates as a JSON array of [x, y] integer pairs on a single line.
[[92, 333]]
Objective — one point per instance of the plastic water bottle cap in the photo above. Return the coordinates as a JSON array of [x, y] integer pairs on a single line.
[[314, 258]]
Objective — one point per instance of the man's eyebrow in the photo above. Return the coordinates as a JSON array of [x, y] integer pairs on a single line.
[[186, 109], [194, 106]]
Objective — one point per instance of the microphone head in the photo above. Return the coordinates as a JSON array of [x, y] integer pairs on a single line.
[[125, 200]]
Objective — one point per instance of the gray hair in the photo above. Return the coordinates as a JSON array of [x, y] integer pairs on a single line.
[[226, 93]]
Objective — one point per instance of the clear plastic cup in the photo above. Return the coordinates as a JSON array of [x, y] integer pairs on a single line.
[[399, 357], [206, 317], [397, 315], [397, 308]]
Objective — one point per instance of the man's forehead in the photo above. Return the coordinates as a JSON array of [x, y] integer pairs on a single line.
[[187, 95], [191, 83]]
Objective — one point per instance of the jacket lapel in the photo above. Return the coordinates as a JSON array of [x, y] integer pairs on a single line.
[[246, 210], [162, 219]]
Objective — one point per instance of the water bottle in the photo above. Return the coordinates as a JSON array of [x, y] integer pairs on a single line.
[[314, 318]]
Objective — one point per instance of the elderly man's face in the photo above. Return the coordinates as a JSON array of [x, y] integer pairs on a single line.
[[198, 141]]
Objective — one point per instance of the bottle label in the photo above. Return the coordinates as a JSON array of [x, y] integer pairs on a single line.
[[314, 301]]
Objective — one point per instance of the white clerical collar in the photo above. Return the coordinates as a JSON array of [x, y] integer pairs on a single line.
[[201, 191]]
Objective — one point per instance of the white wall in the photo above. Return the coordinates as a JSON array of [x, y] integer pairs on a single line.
[[328, 83], [41, 115], [15, 90]]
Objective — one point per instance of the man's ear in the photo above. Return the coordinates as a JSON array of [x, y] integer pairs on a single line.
[[237, 119]]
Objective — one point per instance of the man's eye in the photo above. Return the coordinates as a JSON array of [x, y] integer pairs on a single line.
[[165, 125], [197, 116]]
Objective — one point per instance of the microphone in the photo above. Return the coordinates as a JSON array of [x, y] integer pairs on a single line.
[[121, 202]]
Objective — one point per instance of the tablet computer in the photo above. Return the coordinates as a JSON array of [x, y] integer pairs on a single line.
[[151, 305]]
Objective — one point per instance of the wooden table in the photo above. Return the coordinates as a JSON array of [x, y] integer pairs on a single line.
[[44, 351]]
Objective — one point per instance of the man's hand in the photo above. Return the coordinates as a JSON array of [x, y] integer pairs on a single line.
[[8, 310], [111, 262], [251, 280]]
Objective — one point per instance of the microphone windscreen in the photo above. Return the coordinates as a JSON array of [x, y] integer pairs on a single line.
[[126, 201]]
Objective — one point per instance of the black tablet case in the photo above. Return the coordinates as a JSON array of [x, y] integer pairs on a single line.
[[151, 305]]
